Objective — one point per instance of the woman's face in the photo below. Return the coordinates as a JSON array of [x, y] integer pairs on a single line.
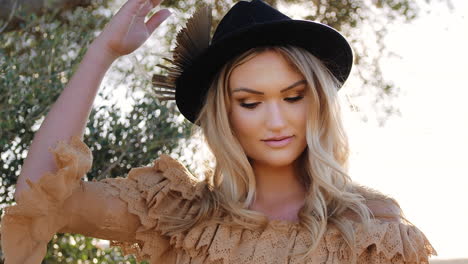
[[269, 99]]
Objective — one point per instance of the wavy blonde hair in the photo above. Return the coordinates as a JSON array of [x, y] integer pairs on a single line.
[[323, 164]]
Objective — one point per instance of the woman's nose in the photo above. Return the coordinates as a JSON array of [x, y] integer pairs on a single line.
[[275, 117]]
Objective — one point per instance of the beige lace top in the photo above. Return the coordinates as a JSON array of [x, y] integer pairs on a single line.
[[126, 211]]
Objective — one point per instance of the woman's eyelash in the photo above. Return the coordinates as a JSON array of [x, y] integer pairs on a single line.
[[289, 99], [293, 99], [250, 106]]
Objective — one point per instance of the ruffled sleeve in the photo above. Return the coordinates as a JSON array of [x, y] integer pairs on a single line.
[[29, 225], [382, 242], [166, 189]]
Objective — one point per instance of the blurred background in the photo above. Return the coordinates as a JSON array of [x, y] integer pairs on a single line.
[[404, 105]]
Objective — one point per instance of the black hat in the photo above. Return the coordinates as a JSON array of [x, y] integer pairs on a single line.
[[246, 25]]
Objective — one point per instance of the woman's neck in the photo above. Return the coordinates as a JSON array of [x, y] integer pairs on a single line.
[[279, 193]]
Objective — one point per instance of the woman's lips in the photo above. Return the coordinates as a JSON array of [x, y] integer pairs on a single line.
[[278, 143]]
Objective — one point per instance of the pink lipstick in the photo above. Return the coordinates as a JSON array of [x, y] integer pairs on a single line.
[[280, 142]]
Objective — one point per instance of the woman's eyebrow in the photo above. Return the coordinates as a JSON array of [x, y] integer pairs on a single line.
[[258, 92]]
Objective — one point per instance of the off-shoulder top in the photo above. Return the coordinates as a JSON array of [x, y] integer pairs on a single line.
[[131, 221]]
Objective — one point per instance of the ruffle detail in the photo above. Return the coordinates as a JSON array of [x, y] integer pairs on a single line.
[[29, 225], [165, 189], [382, 242], [168, 188]]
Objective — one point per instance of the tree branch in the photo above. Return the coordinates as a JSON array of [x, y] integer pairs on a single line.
[[12, 11], [10, 16]]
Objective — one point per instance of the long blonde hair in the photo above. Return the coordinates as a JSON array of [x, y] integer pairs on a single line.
[[322, 166]]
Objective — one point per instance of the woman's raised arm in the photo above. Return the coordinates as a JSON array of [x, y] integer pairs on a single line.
[[126, 31]]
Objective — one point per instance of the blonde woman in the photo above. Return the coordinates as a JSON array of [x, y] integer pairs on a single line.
[[263, 91]]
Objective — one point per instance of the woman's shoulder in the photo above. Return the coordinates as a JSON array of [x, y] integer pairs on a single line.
[[383, 241], [165, 171], [381, 205], [181, 179], [389, 235], [161, 196]]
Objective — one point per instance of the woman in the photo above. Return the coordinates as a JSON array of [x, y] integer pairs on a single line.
[[263, 91]]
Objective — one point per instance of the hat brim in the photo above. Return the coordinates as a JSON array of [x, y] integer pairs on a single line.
[[322, 41]]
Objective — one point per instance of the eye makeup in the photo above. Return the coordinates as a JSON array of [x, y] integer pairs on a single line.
[[294, 99]]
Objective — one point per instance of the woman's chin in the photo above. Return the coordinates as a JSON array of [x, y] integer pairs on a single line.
[[274, 160]]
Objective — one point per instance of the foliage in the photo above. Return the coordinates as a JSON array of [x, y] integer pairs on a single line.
[[66, 248], [35, 63]]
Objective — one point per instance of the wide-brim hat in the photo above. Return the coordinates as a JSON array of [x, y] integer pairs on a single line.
[[197, 59]]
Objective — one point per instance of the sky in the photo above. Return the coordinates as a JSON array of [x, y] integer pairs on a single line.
[[420, 157]]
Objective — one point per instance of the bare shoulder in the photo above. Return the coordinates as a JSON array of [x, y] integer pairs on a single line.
[[385, 210], [381, 205]]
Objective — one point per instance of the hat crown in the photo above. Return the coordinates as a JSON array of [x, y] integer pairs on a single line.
[[246, 14]]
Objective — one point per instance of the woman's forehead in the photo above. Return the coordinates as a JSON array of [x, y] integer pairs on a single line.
[[265, 71]]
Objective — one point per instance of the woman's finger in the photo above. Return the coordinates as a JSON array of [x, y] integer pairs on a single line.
[[157, 19], [133, 6], [145, 9]]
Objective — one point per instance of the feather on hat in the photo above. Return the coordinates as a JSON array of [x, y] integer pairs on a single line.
[[191, 41]]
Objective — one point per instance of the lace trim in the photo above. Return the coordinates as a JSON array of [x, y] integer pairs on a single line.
[[395, 241], [167, 188]]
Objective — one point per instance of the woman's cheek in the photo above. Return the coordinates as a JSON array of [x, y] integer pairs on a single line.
[[238, 121], [245, 121]]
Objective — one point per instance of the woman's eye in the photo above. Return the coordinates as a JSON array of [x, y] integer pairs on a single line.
[[294, 99], [253, 105], [250, 106]]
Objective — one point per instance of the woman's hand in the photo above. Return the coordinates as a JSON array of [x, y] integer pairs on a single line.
[[127, 30]]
